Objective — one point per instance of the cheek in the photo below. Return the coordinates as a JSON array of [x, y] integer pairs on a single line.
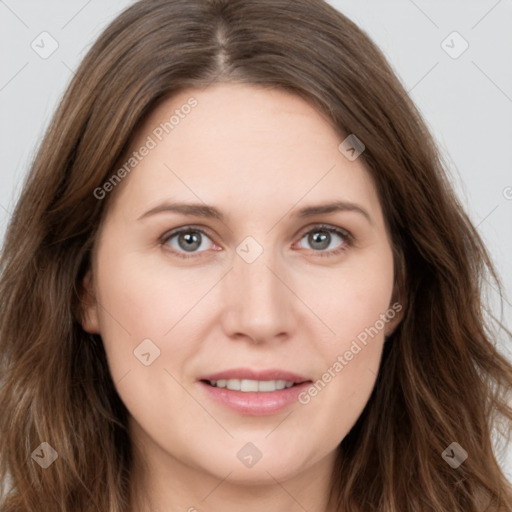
[[353, 299], [355, 307], [134, 305]]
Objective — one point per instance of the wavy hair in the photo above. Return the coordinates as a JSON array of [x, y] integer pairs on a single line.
[[442, 378]]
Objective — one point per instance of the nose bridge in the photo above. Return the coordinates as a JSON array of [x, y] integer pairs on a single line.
[[258, 302]]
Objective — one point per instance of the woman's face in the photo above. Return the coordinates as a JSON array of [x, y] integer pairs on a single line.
[[257, 287]]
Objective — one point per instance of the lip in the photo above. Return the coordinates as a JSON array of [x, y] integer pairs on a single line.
[[255, 403]]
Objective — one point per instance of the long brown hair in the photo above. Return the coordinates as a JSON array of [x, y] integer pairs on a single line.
[[442, 378]]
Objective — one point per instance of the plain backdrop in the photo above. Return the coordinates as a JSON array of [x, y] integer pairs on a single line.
[[453, 57]]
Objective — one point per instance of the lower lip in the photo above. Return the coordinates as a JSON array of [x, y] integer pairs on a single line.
[[255, 403]]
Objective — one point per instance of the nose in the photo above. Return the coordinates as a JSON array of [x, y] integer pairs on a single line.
[[260, 304]]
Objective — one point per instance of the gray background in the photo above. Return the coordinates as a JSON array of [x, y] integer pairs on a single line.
[[466, 101]]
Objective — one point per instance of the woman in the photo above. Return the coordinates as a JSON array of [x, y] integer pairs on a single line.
[[168, 339]]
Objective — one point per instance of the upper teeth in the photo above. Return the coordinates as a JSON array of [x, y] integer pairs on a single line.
[[251, 385]]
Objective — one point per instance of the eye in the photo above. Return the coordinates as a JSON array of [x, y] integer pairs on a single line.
[[187, 240], [321, 236]]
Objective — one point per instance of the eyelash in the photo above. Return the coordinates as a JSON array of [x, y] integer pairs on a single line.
[[343, 234]]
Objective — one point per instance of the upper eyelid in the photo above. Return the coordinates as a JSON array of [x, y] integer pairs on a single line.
[[319, 226], [189, 227]]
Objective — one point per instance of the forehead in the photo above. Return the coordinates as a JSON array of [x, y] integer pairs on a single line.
[[233, 142]]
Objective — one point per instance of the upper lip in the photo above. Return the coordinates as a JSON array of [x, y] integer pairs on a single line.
[[250, 374]]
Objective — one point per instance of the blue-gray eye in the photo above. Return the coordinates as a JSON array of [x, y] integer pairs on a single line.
[[188, 240]]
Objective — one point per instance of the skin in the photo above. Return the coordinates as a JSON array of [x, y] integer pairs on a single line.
[[258, 155]]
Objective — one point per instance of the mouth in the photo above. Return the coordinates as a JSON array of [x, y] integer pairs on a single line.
[[254, 392]]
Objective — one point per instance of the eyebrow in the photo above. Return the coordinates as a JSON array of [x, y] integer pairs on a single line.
[[203, 210]]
